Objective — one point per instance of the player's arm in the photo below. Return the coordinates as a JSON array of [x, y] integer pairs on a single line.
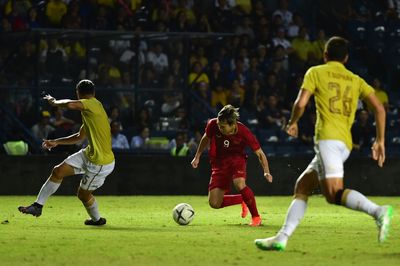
[[298, 109], [65, 103], [69, 140], [378, 147], [262, 158], [204, 142]]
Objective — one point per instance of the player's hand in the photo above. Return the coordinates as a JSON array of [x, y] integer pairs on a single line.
[[50, 99], [378, 153], [292, 130], [195, 162], [48, 144], [268, 176]]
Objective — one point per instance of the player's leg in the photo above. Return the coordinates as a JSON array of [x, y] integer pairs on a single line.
[[220, 182], [93, 178], [336, 153], [305, 184], [90, 203], [249, 199], [49, 187], [216, 198], [352, 199]]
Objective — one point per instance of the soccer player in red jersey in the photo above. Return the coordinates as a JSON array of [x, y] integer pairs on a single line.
[[227, 139]]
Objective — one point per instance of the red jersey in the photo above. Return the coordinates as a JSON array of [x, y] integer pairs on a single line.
[[222, 146]]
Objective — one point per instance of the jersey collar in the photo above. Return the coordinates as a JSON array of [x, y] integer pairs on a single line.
[[335, 63]]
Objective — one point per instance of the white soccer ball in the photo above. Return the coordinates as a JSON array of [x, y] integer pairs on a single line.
[[183, 213]]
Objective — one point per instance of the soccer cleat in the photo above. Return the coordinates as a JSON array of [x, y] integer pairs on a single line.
[[31, 209], [255, 221], [245, 210], [270, 244], [383, 223], [101, 221]]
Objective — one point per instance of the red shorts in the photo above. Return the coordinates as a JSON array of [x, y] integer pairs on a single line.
[[224, 171]]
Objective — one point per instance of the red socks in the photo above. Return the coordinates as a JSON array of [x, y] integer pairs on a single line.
[[248, 198], [231, 200]]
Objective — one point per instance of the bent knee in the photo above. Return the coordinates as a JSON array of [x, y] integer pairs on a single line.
[[330, 198], [214, 204], [57, 173], [84, 196]]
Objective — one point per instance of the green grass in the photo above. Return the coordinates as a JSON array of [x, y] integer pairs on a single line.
[[140, 231]]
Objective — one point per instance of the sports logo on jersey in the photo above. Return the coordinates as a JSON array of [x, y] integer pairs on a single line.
[[226, 143]]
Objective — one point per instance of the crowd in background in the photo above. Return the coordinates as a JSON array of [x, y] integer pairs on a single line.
[[259, 67]]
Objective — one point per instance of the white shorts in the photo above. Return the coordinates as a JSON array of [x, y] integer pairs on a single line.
[[93, 175], [330, 156]]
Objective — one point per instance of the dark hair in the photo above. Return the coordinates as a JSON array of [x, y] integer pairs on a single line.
[[228, 114], [85, 87], [337, 48]]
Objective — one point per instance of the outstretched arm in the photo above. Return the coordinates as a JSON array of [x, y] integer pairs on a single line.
[[298, 109], [65, 103], [69, 140], [204, 142], [378, 147], [262, 158]]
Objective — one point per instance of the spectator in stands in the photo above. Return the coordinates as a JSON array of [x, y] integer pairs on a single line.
[[380, 94], [42, 129], [302, 50], [259, 10], [181, 23], [294, 27], [216, 76], [148, 78], [180, 149], [176, 71], [139, 141], [195, 141], [236, 94], [199, 56], [251, 96], [239, 72], [54, 59], [272, 116], [254, 72], [219, 97], [319, 46], [102, 19], [246, 28], [202, 25], [143, 119], [118, 140], [108, 70], [222, 16], [61, 123], [54, 11], [281, 40], [158, 59], [32, 20], [362, 131], [72, 19], [284, 12], [197, 76]]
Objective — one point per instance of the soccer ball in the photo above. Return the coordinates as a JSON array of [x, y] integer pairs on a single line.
[[183, 213]]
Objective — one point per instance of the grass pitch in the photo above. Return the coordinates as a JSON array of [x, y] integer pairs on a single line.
[[140, 231]]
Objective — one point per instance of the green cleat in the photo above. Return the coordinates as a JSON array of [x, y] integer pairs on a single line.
[[270, 244], [383, 223]]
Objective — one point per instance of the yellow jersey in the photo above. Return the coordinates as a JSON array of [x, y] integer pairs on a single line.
[[98, 132], [336, 92]]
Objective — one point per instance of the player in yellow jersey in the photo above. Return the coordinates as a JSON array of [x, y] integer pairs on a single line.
[[95, 162], [336, 91]]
